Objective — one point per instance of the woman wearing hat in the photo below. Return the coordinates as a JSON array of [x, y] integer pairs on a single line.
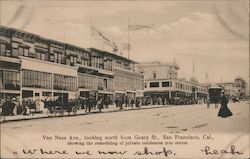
[[224, 111]]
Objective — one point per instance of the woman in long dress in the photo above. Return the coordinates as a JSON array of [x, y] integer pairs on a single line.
[[224, 111]]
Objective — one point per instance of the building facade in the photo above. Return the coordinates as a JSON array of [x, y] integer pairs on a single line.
[[161, 80], [229, 88], [241, 86], [238, 88], [34, 67]]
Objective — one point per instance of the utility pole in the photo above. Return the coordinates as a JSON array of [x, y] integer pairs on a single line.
[[91, 32], [170, 82], [128, 39]]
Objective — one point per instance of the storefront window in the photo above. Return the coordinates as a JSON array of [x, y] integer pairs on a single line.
[[9, 80], [23, 51], [87, 81], [41, 56], [86, 62], [108, 65], [118, 64], [1, 80], [110, 85], [14, 52], [36, 79], [58, 57], [154, 84], [130, 83], [2, 49], [95, 62], [62, 82], [165, 84], [139, 85], [100, 84], [101, 63], [119, 83], [73, 60], [103, 84]]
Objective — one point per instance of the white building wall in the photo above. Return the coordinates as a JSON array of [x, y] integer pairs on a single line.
[[43, 66], [161, 72]]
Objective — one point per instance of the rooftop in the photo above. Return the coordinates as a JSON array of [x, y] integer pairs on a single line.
[[111, 54], [158, 63], [35, 37]]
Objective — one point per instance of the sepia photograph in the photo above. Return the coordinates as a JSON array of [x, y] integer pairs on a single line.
[[124, 79]]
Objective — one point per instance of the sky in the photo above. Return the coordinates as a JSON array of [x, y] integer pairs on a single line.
[[203, 37]]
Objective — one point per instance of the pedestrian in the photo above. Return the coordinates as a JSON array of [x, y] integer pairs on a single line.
[[41, 106], [224, 111], [107, 102], [137, 104], [208, 102], [120, 103], [88, 105], [27, 110], [217, 102], [12, 106], [4, 106], [116, 102], [93, 103], [100, 104], [126, 101], [159, 101], [132, 102]]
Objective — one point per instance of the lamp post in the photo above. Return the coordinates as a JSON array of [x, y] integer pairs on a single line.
[[62, 93], [170, 82], [63, 84]]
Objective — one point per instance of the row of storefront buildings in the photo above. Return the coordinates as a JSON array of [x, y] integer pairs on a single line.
[[35, 67], [161, 81]]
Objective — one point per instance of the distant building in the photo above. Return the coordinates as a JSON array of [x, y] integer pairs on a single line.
[[229, 88], [34, 67], [237, 88], [241, 86], [161, 80]]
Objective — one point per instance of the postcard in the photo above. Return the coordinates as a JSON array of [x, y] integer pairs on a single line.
[[124, 79]]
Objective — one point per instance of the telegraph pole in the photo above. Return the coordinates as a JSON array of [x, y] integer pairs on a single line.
[[128, 39], [170, 82]]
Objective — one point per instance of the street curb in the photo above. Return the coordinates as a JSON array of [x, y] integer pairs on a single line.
[[97, 112]]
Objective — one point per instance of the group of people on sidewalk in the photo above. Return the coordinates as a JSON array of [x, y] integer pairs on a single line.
[[11, 106], [92, 103], [8, 105], [120, 102]]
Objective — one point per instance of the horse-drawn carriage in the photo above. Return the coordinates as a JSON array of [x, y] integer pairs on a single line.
[[7, 108], [57, 106], [214, 95]]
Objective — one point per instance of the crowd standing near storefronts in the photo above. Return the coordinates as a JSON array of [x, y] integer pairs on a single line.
[[28, 106]]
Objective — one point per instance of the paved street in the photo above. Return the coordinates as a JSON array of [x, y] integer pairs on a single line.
[[173, 119], [170, 120]]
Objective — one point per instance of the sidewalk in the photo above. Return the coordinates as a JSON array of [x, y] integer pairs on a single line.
[[112, 108]]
